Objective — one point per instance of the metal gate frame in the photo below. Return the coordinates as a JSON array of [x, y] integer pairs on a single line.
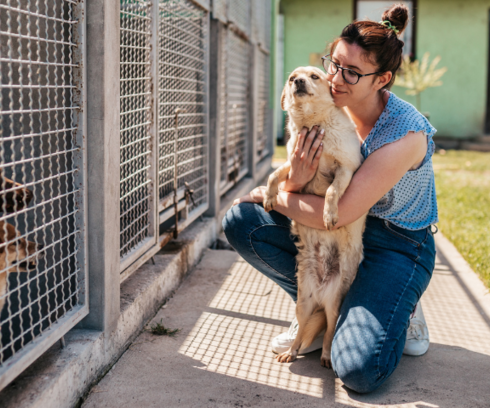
[[164, 209], [35, 348]]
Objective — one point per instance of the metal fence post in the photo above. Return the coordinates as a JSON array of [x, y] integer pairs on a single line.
[[254, 110], [103, 164], [215, 67]]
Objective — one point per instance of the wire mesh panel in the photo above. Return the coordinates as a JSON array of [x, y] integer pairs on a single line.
[[182, 90], [263, 111], [234, 148], [135, 127], [239, 14], [261, 22], [42, 244]]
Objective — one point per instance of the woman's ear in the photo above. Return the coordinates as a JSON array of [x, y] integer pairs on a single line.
[[383, 80]]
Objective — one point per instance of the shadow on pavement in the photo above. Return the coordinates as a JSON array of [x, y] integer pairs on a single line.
[[229, 312]]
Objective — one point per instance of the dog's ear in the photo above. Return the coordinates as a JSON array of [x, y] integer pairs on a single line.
[[284, 106]]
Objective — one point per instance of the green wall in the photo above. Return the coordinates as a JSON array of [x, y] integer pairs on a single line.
[[309, 25], [457, 30]]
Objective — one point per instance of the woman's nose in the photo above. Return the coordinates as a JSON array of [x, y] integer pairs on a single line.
[[337, 78]]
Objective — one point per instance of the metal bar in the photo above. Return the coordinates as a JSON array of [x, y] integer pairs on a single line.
[[176, 170]]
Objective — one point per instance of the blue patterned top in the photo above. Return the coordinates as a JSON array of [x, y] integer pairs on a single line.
[[411, 203]]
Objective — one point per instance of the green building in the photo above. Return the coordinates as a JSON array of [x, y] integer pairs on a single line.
[[456, 30]]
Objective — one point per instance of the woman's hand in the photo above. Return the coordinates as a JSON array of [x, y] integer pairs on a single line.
[[255, 196], [305, 159]]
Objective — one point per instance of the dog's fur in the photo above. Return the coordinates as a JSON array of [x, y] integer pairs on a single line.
[[327, 259], [15, 256]]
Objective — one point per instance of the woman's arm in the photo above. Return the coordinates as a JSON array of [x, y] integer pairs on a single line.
[[376, 176]]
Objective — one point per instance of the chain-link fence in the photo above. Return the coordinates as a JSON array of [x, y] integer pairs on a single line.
[[42, 162], [136, 110], [164, 145], [182, 100], [244, 53], [236, 109], [164, 134]]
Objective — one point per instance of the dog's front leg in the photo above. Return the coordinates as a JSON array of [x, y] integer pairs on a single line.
[[280, 175], [340, 182]]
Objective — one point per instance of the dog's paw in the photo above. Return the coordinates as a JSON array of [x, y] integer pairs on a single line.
[[330, 218], [286, 357], [326, 362], [270, 202]]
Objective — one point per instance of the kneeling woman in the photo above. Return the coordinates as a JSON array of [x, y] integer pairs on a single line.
[[395, 184]]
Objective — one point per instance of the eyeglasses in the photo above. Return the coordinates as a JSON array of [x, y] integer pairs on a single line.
[[350, 76]]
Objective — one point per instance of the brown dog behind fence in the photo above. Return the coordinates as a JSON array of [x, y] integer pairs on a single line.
[[13, 196]]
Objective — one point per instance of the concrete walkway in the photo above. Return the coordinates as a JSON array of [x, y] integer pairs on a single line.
[[228, 313]]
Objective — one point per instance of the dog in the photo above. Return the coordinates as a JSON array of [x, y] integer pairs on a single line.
[[16, 255], [13, 196], [327, 260]]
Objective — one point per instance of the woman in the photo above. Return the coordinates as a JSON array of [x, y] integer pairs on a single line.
[[395, 184]]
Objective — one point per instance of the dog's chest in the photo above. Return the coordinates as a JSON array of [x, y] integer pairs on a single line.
[[324, 176]]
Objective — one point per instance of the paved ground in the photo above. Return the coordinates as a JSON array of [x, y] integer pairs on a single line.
[[228, 314]]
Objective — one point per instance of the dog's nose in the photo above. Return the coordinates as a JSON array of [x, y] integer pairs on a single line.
[[299, 81]]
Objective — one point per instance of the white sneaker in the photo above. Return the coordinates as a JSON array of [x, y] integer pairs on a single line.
[[284, 341], [417, 342]]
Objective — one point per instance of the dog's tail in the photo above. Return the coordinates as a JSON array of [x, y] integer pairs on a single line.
[[316, 323]]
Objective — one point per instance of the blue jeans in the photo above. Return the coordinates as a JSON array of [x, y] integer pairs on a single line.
[[372, 326]]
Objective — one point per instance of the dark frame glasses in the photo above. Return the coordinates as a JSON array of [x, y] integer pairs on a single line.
[[353, 76]]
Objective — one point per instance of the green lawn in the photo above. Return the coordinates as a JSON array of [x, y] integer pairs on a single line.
[[463, 196], [280, 153]]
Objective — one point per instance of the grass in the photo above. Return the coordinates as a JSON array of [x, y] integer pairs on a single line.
[[280, 153], [463, 197], [160, 330]]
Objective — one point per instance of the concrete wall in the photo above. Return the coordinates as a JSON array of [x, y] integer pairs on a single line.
[[457, 30]]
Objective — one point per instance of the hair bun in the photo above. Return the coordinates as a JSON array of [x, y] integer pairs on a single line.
[[397, 15]]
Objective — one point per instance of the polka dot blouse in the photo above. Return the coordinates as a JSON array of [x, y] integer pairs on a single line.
[[411, 203]]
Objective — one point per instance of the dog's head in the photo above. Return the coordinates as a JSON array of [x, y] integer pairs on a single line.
[[306, 85], [17, 252]]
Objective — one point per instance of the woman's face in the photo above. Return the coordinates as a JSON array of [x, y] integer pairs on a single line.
[[347, 95]]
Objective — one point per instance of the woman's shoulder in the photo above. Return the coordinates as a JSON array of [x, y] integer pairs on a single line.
[[398, 119]]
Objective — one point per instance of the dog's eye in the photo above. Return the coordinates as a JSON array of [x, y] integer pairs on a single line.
[[292, 79], [315, 77]]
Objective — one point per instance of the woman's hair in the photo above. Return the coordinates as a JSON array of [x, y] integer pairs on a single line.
[[380, 43]]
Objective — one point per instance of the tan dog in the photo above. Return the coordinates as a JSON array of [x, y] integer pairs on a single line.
[[15, 256], [328, 259]]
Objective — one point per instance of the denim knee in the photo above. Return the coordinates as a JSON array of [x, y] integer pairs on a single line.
[[235, 221], [361, 375], [356, 353]]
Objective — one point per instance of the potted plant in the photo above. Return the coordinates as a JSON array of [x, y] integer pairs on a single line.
[[417, 76]]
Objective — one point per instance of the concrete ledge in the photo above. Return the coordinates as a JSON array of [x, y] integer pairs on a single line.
[[61, 377]]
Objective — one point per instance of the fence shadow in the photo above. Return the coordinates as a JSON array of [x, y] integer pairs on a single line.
[[229, 312]]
